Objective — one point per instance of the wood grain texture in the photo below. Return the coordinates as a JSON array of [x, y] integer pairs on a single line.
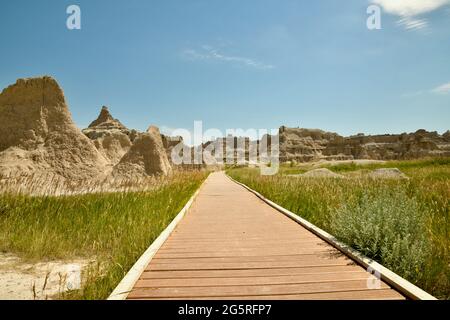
[[232, 245]]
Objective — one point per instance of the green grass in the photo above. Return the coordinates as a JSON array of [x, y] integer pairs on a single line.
[[112, 228], [405, 166], [433, 167], [403, 224]]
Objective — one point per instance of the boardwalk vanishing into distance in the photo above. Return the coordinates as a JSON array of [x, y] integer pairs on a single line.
[[232, 245]]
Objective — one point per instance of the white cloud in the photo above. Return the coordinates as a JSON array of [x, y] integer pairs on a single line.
[[408, 10], [209, 53], [412, 23], [410, 7], [443, 89]]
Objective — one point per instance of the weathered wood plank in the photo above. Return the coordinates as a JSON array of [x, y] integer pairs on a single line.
[[245, 265], [240, 253], [231, 245], [250, 273], [384, 294], [238, 281], [254, 290], [304, 258]]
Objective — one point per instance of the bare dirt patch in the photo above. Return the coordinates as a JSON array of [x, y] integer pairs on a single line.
[[20, 280]]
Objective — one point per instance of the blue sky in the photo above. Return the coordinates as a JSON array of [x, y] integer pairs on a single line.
[[239, 64]]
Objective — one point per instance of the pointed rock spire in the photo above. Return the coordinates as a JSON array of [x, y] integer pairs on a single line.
[[105, 120]]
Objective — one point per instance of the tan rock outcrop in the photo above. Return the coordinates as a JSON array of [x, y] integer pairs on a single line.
[[404, 146], [170, 143], [110, 136], [304, 145], [146, 157], [297, 144], [37, 134], [106, 121], [446, 136]]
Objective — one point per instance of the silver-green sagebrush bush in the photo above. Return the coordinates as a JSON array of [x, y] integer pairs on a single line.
[[388, 226]]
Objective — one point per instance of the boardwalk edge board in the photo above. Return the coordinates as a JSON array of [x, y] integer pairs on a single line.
[[127, 283], [402, 285]]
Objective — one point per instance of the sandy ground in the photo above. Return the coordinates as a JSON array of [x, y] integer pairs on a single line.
[[20, 280]]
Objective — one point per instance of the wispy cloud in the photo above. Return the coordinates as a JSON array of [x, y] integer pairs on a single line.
[[207, 52], [409, 11], [412, 24], [442, 89]]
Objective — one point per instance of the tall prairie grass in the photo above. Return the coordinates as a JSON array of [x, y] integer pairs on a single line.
[[49, 184], [403, 224], [112, 228]]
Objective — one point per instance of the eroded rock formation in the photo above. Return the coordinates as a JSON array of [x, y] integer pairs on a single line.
[[110, 136], [146, 156], [307, 145], [303, 145], [170, 143], [38, 137], [37, 134]]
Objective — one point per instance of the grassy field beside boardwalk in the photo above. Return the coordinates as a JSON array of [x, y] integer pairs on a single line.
[[403, 224], [427, 168], [114, 229]]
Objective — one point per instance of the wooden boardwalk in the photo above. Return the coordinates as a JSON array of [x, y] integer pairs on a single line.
[[232, 245]]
